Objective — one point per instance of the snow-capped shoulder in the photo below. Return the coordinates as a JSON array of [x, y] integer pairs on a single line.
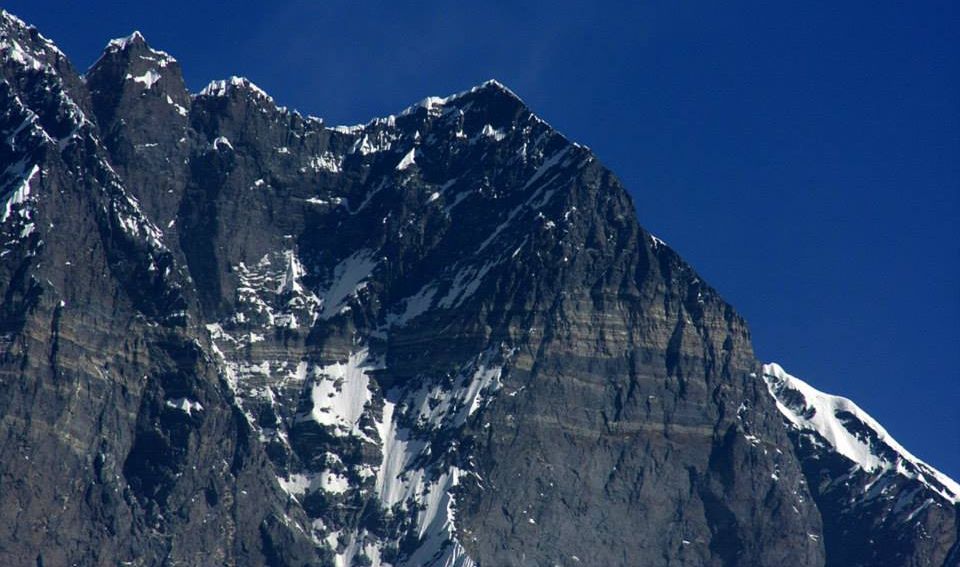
[[223, 87], [841, 423]]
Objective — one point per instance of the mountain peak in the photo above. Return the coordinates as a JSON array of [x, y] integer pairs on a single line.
[[9, 18], [228, 87], [131, 45], [441, 338], [123, 43], [495, 85], [131, 61], [492, 93]]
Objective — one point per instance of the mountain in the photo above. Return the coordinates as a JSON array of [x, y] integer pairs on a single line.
[[231, 334]]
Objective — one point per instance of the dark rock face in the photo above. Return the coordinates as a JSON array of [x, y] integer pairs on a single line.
[[232, 335]]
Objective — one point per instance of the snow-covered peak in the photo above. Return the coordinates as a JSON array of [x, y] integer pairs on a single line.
[[9, 18], [136, 40], [122, 43], [850, 431], [497, 85], [435, 104], [18, 42], [225, 87]]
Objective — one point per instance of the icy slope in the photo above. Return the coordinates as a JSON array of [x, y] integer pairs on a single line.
[[842, 426]]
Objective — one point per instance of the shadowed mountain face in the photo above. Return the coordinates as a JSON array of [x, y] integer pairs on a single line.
[[231, 334]]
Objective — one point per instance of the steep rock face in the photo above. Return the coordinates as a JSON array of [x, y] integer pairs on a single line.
[[234, 335], [141, 107], [118, 442]]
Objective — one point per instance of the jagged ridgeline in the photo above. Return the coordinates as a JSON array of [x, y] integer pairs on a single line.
[[233, 335]]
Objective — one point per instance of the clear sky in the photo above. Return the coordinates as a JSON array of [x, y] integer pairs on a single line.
[[803, 156]]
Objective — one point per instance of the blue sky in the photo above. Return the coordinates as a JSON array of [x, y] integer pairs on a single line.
[[804, 157]]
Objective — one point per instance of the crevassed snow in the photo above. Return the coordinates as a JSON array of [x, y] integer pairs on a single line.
[[825, 414]]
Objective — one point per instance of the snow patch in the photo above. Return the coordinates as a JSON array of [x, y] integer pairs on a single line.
[[290, 281], [21, 193], [496, 134], [407, 160], [413, 306], [226, 87], [339, 394], [347, 279], [221, 142], [326, 162], [180, 109], [147, 79], [185, 405]]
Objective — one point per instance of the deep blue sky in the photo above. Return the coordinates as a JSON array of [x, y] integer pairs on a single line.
[[803, 156]]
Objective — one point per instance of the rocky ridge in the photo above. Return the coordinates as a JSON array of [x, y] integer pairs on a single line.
[[232, 334]]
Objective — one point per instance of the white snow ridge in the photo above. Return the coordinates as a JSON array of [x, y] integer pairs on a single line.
[[839, 422]]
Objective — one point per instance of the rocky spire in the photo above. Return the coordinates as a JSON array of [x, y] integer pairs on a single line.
[[142, 108]]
